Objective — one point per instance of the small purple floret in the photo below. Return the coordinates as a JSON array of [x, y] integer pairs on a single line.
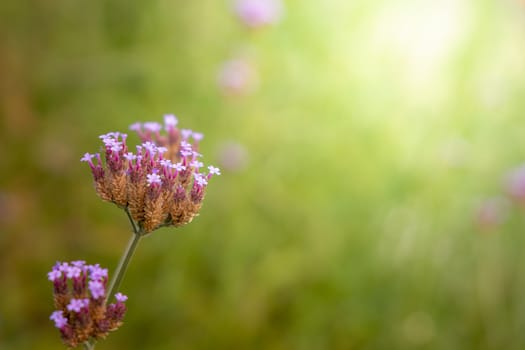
[[153, 179], [179, 167], [78, 263], [97, 273], [130, 156], [87, 157], [186, 133], [53, 275], [135, 126], [152, 126], [97, 289], [150, 147], [197, 136], [196, 164], [63, 267], [77, 304], [165, 163], [170, 121], [73, 272], [200, 180], [58, 317], [214, 170], [121, 297]]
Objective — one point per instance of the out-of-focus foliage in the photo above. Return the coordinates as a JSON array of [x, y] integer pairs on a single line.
[[348, 222]]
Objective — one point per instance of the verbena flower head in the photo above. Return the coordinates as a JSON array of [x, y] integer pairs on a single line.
[[162, 183], [258, 13], [79, 295]]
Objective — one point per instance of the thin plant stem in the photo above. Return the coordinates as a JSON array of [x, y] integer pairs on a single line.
[[136, 230], [125, 259], [123, 265], [118, 275]]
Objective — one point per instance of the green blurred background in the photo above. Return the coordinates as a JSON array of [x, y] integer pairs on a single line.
[[376, 130]]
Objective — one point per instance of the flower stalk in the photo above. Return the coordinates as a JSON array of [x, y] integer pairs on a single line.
[[120, 271], [159, 185], [126, 257]]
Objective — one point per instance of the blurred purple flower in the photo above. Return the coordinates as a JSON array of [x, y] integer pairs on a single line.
[[232, 156], [258, 13], [492, 212], [516, 184], [237, 77]]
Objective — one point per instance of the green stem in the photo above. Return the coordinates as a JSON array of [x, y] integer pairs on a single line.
[[123, 265], [136, 230], [125, 259], [121, 268]]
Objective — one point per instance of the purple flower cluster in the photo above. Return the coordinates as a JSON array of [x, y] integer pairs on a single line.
[[258, 13], [162, 183], [80, 299]]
